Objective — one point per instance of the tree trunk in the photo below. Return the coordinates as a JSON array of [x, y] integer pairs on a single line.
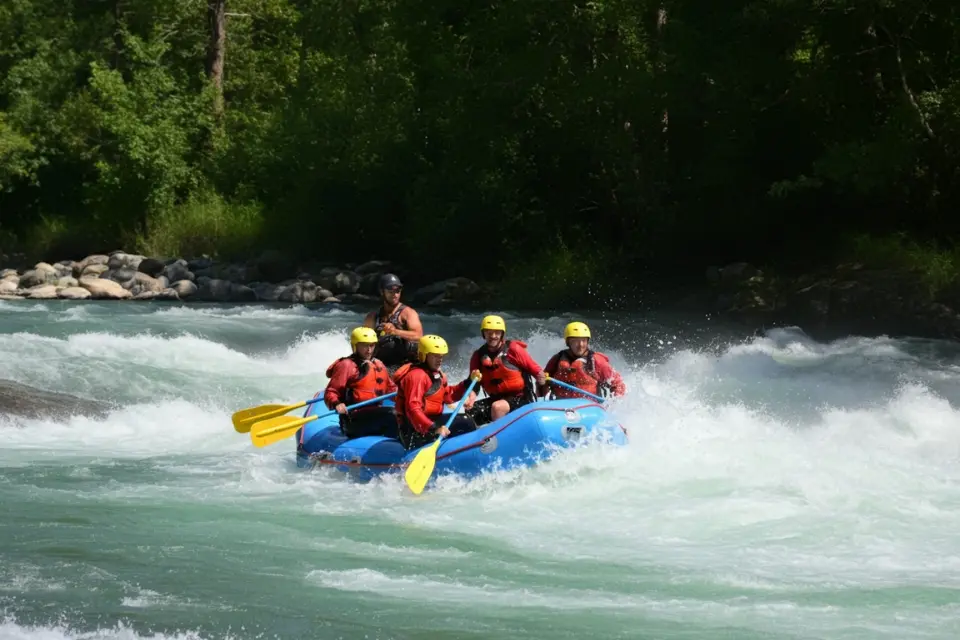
[[117, 34], [217, 18], [662, 67], [907, 91]]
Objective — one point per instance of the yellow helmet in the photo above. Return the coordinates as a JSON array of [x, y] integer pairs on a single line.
[[431, 344], [493, 323], [362, 334], [576, 330]]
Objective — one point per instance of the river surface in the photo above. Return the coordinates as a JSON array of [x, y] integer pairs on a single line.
[[774, 487]]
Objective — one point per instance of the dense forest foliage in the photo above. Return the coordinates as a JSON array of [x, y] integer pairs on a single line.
[[478, 134]]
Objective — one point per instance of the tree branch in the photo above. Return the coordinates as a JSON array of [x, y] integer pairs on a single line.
[[906, 87]]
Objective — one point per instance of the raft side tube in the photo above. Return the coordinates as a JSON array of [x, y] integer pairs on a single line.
[[314, 443], [525, 437], [522, 438], [369, 456]]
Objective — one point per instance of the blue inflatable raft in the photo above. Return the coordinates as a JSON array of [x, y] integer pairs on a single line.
[[522, 438]]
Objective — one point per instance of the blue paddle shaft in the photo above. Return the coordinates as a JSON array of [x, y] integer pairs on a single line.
[[355, 406], [460, 404], [573, 388]]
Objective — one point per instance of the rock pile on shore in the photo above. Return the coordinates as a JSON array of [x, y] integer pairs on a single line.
[[270, 277]]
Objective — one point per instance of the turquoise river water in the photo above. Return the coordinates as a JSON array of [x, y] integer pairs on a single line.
[[774, 487]]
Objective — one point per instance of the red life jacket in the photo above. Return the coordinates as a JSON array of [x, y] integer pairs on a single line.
[[369, 383], [433, 398], [501, 379], [580, 372]]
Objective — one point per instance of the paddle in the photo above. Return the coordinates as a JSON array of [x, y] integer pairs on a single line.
[[421, 467], [275, 429], [573, 388], [244, 419]]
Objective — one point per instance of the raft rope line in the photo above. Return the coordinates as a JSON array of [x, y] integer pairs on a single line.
[[325, 456]]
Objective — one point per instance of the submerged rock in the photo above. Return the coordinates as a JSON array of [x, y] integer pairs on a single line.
[[22, 400]]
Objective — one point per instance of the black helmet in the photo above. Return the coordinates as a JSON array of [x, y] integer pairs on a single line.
[[388, 280]]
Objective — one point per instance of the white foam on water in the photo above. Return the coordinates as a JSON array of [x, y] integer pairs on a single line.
[[10, 630]]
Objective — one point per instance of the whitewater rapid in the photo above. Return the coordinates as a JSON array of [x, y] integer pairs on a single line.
[[774, 487]]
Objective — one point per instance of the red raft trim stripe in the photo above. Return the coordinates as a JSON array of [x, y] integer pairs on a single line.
[[344, 463]]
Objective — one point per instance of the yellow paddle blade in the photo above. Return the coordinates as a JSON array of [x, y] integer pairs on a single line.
[[421, 467], [275, 429], [244, 419]]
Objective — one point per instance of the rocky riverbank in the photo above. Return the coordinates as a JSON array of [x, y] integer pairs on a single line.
[[828, 303], [271, 277], [847, 299]]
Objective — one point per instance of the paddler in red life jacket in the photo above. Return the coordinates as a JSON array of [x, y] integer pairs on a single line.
[[356, 378], [581, 367], [508, 372], [422, 394], [397, 325]]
